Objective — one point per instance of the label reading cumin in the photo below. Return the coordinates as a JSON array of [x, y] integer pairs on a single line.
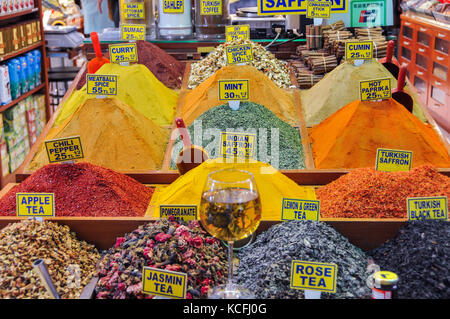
[[299, 209], [35, 204], [420, 208], [240, 145], [393, 160], [358, 50], [179, 212], [164, 283]]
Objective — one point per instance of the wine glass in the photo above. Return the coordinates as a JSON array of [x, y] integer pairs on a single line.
[[230, 210]]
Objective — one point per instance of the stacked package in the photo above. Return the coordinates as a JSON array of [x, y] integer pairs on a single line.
[[35, 116], [4, 158]]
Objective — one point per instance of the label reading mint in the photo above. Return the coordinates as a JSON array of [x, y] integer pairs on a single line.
[[233, 90], [318, 9], [420, 208], [179, 212], [358, 50], [35, 204], [393, 160], [377, 89], [164, 283], [241, 145], [239, 54], [98, 84], [299, 209], [313, 276]]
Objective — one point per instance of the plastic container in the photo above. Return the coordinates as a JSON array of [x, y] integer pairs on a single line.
[[31, 70], [24, 74], [211, 17], [174, 19], [148, 19], [37, 66], [14, 78]]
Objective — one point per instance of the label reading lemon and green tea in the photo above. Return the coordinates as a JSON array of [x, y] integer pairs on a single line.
[[240, 31], [313, 276], [164, 283], [98, 84], [377, 89], [173, 6], [230, 90], [35, 204], [124, 52], [420, 208], [318, 9], [132, 32], [210, 7], [393, 160], [179, 212], [239, 54], [299, 209], [134, 10], [64, 149], [240, 145], [358, 50]]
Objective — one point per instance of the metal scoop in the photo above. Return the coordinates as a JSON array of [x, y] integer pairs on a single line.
[[399, 95], [387, 61]]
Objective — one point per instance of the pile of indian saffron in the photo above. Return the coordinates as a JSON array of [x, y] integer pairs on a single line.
[[366, 193], [83, 189]]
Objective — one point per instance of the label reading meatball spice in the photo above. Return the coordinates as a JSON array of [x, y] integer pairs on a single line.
[[313, 276], [230, 90], [420, 208], [132, 32], [125, 52], [35, 204], [318, 9], [173, 6], [210, 7], [179, 212], [293, 209], [393, 160], [358, 50], [64, 149], [239, 54], [134, 10], [239, 31], [99, 85], [379, 89], [164, 283], [241, 145]]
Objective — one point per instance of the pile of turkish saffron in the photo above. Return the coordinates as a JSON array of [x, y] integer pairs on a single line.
[[366, 193], [83, 189]]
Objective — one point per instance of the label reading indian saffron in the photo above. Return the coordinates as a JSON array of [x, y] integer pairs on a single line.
[[393, 160], [98, 84], [230, 90], [241, 145], [379, 89], [164, 283], [358, 50], [274, 7], [179, 212], [318, 9], [210, 7], [132, 32], [35, 204], [133, 10], [240, 31], [239, 54], [64, 149], [313, 276], [125, 52], [420, 208], [299, 209], [173, 6]]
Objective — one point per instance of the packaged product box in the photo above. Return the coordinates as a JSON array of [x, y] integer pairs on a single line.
[[29, 34], [31, 116], [37, 64], [23, 35], [15, 40], [14, 79], [31, 70], [38, 27], [32, 128], [2, 40], [5, 91], [34, 31], [24, 74]]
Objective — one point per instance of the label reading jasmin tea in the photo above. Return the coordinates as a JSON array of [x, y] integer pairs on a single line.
[[240, 31], [318, 9], [393, 160], [132, 32], [98, 84], [274, 7], [379, 89], [427, 208], [293, 209], [210, 7], [233, 90], [125, 52], [239, 54], [240, 145], [35, 204], [179, 212], [64, 149], [164, 283], [133, 10], [358, 50], [313, 276], [173, 6]]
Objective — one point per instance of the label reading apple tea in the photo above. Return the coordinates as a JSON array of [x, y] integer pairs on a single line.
[[35, 204]]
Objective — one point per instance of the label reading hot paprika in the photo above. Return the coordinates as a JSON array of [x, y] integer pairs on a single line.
[[379, 89], [313, 276], [210, 7], [299, 209], [64, 149], [420, 208], [318, 9], [165, 283], [240, 145], [179, 212], [125, 52], [239, 54], [173, 6], [358, 50], [231, 90], [132, 32], [98, 84], [134, 10], [35, 204], [240, 31], [393, 160]]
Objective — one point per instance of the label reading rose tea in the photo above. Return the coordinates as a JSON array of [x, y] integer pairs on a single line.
[[358, 50], [164, 283], [179, 212], [173, 6], [210, 7], [313, 276], [379, 89], [318, 9], [293, 209], [427, 208], [98, 84], [239, 31], [134, 10], [122, 53], [64, 149], [393, 160], [239, 54], [132, 32], [240, 145], [233, 90], [35, 204]]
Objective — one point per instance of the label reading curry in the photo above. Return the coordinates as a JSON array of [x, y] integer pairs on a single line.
[[420, 208], [318, 9], [313, 276], [393, 160], [358, 50], [165, 283], [173, 6], [179, 212], [134, 10], [299, 209], [132, 32], [379, 89], [240, 145], [125, 52], [240, 31], [230, 90], [64, 149], [239, 54], [35, 204], [99, 84], [210, 7]]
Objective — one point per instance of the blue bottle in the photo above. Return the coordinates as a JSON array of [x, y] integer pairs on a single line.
[[14, 78], [37, 64], [31, 70], [24, 74]]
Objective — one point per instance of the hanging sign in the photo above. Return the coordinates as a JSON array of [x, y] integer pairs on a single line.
[[274, 7], [64, 149], [98, 84], [165, 283], [393, 160], [368, 13], [313, 276], [124, 52], [233, 90], [420, 208], [318, 9], [358, 50], [239, 31], [210, 7], [379, 89], [173, 6], [239, 53], [240, 145], [299, 209], [132, 32], [35, 204], [179, 212], [133, 10]]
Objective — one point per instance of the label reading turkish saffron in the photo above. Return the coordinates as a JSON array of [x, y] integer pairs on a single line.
[[35, 204], [210, 7], [173, 6], [240, 31], [64, 149], [132, 32], [379, 89], [299, 209], [393, 160], [165, 283], [420, 208], [179, 212], [241, 145], [318, 9], [133, 10], [358, 50], [274, 7], [239, 54], [98, 84], [313, 276], [233, 90], [125, 52]]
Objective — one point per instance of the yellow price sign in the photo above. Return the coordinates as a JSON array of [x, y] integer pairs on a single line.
[[64, 149], [274, 7], [35, 204], [234, 90], [299, 209], [134, 10], [358, 50], [240, 145], [240, 31], [393, 160], [318, 9], [179, 212], [173, 6], [165, 283], [242, 53], [313, 276], [125, 52], [99, 84], [210, 7], [420, 208], [132, 32], [379, 89]]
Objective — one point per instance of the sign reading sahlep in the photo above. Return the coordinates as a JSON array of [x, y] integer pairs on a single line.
[[173, 6]]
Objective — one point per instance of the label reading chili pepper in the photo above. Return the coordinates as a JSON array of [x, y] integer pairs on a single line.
[[179, 212], [165, 283], [64, 149], [420, 208], [393, 160], [299, 209], [35, 204]]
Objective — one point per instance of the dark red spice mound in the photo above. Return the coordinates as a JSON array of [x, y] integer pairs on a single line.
[[366, 193], [164, 67], [83, 189]]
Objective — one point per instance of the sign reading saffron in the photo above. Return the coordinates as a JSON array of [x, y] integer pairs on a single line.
[[179, 212], [210, 7], [240, 145], [239, 53], [230, 90], [99, 84], [358, 50], [35, 204], [313, 276], [132, 32], [293, 209], [173, 6], [125, 52], [420, 208], [379, 89], [133, 10], [64, 149], [239, 31], [393, 160], [318, 9], [273, 7], [165, 283]]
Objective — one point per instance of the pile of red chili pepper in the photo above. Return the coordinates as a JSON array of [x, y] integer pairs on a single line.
[[83, 189], [367, 193]]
